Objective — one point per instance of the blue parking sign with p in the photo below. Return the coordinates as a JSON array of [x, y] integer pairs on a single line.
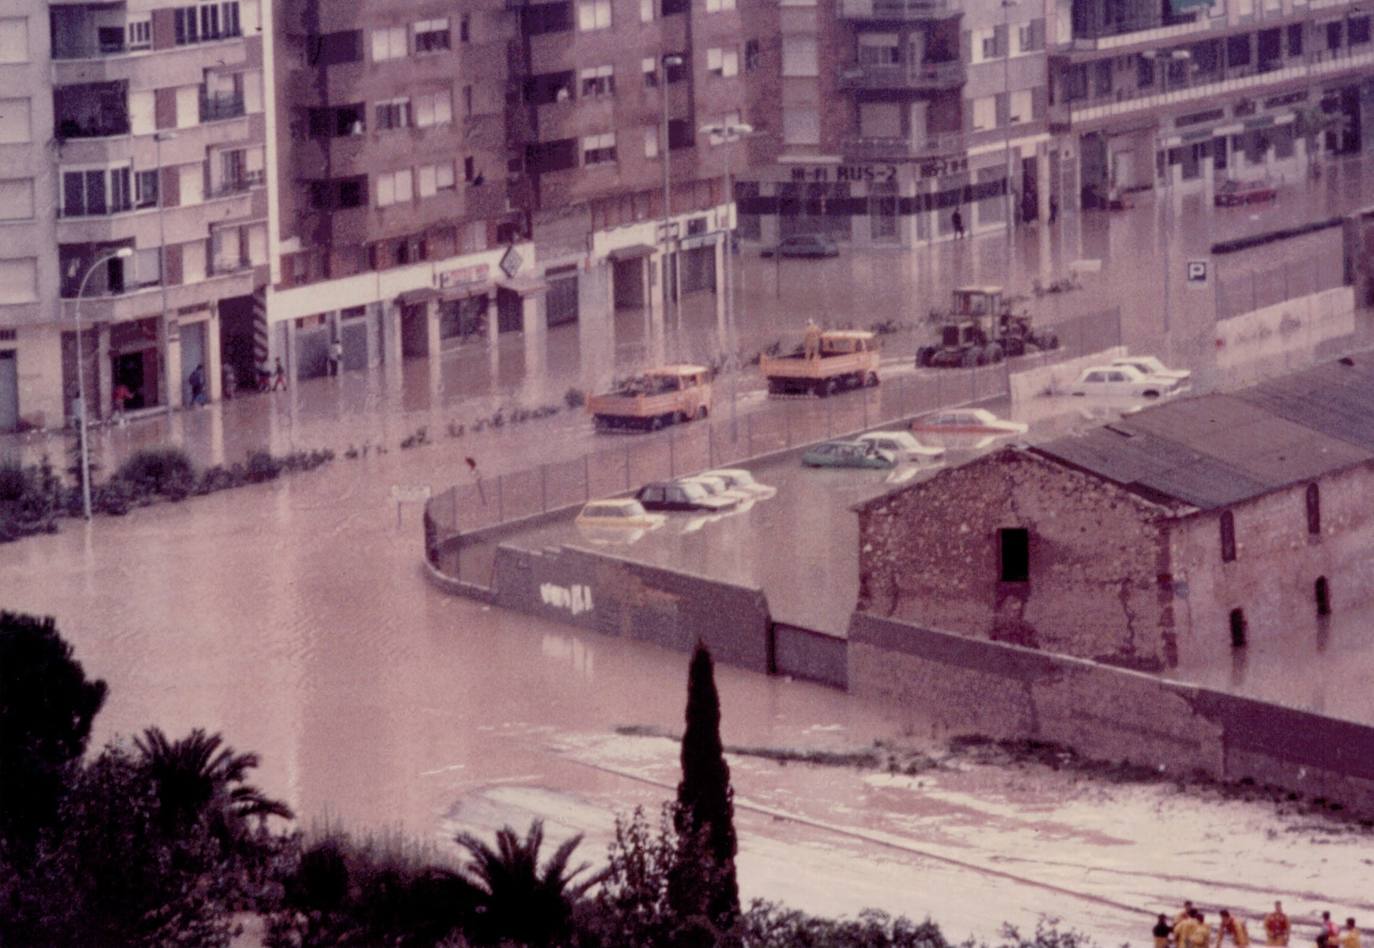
[[1197, 273]]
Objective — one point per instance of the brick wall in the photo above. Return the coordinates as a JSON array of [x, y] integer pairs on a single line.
[[929, 554]]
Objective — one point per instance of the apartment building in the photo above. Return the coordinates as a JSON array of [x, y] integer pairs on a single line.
[[131, 187], [1188, 94], [626, 190], [897, 113]]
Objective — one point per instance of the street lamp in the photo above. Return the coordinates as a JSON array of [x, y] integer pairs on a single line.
[[727, 133], [162, 326], [123, 253], [1167, 218], [1006, 138], [667, 61]]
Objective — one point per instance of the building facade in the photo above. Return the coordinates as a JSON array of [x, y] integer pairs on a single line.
[[132, 141]]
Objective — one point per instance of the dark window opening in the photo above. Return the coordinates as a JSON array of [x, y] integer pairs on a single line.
[[1238, 628], [1323, 593], [675, 67], [551, 156], [752, 55], [331, 49], [1013, 554], [1314, 509], [681, 134], [1238, 50], [1295, 39], [1333, 35], [674, 6], [1359, 31], [543, 18], [549, 87], [1228, 536]]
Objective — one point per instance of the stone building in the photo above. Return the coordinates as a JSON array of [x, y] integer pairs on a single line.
[[1166, 539]]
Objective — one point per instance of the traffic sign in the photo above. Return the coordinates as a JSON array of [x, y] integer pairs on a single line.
[[1199, 272]]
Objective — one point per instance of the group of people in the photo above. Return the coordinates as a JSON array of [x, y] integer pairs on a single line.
[[1190, 928]]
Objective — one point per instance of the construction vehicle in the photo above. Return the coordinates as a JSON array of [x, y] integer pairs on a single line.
[[843, 358], [981, 328], [661, 396]]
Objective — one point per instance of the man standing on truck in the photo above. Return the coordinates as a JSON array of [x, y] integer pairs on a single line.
[[811, 341]]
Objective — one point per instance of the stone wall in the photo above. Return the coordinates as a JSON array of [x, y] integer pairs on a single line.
[[929, 554], [814, 656], [968, 685]]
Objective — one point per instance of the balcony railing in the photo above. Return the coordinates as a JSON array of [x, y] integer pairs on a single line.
[[237, 184], [908, 76], [902, 149], [897, 10], [214, 108], [104, 127]]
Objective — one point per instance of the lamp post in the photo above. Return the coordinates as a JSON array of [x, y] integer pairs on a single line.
[[1006, 138], [1167, 218], [667, 61], [727, 133], [122, 253], [163, 323]]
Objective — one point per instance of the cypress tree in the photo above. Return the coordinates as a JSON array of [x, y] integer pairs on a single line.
[[705, 816]]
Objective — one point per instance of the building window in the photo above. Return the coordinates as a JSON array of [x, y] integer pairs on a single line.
[[1314, 510], [597, 81], [389, 43], [465, 28], [206, 22], [16, 199], [140, 34], [470, 174], [598, 149], [1323, 596], [434, 108], [650, 66], [984, 113], [1228, 536], [1102, 77], [96, 191], [715, 6], [752, 54], [1238, 49], [722, 62], [394, 187], [1359, 31], [1030, 37], [1238, 629], [435, 178], [393, 114], [801, 126], [646, 11], [431, 36], [145, 189], [593, 15], [1295, 39], [1013, 554], [651, 141], [1022, 106], [799, 55]]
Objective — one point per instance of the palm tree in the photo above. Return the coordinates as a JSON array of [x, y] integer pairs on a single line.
[[200, 775], [522, 902]]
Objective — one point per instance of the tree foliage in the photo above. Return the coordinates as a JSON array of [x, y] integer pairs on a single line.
[[704, 882], [47, 706]]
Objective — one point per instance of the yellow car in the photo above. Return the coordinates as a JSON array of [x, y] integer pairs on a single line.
[[629, 514]]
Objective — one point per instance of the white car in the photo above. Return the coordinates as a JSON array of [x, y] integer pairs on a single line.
[[720, 487], [1152, 366], [1123, 380], [967, 421], [619, 515], [737, 478], [903, 444]]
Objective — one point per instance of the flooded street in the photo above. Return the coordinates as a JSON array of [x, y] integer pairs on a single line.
[[294, 617]]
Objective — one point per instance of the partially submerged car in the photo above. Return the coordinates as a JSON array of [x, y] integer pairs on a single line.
[[618, 514], [1123, 380], [903, 444], [803, 245], [966, 421], [1152, 366], [849, 454], [740, 479], [1234, 193], [677, 495]]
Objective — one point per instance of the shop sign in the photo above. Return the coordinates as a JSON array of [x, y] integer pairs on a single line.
[[462, 276], [511, 262], [850, 173], [939, 167]]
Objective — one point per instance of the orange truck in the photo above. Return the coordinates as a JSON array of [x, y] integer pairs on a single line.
[[662, 396], [845, 358]]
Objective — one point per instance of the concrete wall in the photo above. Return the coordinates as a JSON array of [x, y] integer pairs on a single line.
[[815, 656], [968, 685], [930, 554], [1274, 340], [630, 600], [1047, 379]]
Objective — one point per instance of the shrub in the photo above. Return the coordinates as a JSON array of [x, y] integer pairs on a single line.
[[262, 466], [574, 398], [165, 470]]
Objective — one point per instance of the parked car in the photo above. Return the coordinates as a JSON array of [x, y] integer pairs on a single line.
[[740, 479], [1122, 380], [673, 495], [627, 514], [904, 445], [720, 487], [849, 454], [803, 245], [962, 421], [1234, 193], [1152, 366]]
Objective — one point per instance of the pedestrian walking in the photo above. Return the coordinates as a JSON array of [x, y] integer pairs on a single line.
[[1349, 936], [1233, 927], [1162, 931], [278, 377], [1276, 926], [472, 468], [335, 357], [957, 220], [1054, 209], [196, 381], [228, 381]]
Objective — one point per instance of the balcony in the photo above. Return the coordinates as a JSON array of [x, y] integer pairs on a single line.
[[898, 11], [217, 108], [902, 149], [909, 77]]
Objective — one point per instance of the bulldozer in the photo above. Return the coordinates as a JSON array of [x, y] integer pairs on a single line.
[[981, 328]]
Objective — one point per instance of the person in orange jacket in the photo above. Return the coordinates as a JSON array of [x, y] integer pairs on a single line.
[[1200, 936], [1232, 926], [1349, 936], [1276, 926]]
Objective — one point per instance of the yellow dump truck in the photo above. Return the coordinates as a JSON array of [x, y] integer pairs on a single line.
[[840, 359], [658, 397]]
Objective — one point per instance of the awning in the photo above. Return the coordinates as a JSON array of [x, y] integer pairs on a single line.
[[633, 252], [524, 285], [465, 291], [422, 295]]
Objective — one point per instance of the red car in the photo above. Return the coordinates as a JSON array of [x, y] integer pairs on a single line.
[[1234, 193]]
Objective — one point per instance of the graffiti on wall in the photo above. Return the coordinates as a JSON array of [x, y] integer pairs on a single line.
[[577, 598]]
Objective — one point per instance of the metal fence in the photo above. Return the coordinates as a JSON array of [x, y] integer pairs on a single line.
[[628, 461]]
